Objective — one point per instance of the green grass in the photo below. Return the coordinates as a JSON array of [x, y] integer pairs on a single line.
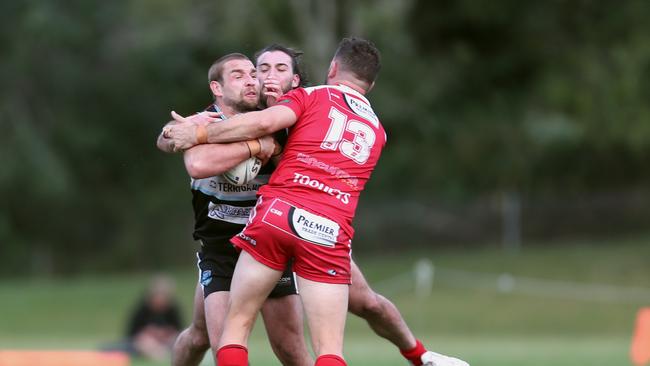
[[483, 326]]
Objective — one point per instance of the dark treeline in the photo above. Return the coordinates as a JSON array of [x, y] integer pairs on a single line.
[[480, 98]]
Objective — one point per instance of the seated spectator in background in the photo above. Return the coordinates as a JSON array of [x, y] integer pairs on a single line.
[[154, 322]]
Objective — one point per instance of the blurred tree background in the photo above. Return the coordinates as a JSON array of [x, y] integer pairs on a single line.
[[508, 121]]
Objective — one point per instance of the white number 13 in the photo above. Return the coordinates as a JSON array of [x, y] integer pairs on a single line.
[[359, 148]]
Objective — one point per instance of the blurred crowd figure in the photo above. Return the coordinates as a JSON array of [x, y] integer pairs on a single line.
[[153, 323]]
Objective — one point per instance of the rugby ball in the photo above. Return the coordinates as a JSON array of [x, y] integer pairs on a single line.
[[243, 172]]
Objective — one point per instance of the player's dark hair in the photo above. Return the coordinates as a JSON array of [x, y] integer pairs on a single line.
[[360, 57], [296, 59], [216, 70]]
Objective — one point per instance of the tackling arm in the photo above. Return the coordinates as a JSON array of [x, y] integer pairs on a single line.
[[252, 125], [241, 127]]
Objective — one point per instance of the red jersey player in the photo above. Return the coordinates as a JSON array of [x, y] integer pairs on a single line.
[[312, 196]]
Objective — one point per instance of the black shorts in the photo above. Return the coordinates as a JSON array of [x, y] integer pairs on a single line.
[[216, 269]]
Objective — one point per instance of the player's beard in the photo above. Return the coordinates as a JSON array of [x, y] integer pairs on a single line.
[[242, 105], [286, 87]]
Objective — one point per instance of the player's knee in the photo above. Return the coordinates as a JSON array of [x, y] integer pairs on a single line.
[[198, 338], [370, 304]]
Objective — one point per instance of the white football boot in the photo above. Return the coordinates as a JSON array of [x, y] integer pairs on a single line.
[[436, 359]]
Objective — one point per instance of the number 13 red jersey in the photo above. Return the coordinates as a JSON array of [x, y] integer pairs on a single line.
[[331, 151]]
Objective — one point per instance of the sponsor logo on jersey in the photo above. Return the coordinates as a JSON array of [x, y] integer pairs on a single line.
[[218, 187], [362, 110], [333, 170], [305, 180], [231, 188], [228, 213], [331, 272], [313, 228]]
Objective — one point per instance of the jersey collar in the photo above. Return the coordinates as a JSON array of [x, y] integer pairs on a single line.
[[349, 90]]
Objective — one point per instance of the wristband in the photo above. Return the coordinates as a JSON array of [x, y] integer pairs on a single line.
[[259, 141], [201, 134]]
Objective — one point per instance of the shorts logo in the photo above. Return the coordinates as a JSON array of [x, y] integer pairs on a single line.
[[302, 224], [331, 272], [247, 238], [206, 277], [313, 228], [284, 281]]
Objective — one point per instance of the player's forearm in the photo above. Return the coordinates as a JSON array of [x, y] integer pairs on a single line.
[[247, 126], [241, 127], [208, 160]]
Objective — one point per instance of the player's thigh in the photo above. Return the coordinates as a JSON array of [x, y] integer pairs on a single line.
[[283, 319], [216, 305], [198, 316], [282, 311], [252, 283], [326, 306], [360, 291]]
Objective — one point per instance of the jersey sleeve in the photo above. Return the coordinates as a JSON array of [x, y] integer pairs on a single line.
[[296, 99]]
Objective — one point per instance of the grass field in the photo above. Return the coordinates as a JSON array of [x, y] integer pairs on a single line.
[[483, 326]]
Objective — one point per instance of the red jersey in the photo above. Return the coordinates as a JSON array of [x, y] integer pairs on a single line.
[[331, 151]]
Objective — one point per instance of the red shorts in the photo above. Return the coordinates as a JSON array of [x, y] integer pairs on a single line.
[[278, 231]]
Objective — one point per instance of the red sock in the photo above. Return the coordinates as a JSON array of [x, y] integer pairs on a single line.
[[414, 354], [329, 360], [232, 355]]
